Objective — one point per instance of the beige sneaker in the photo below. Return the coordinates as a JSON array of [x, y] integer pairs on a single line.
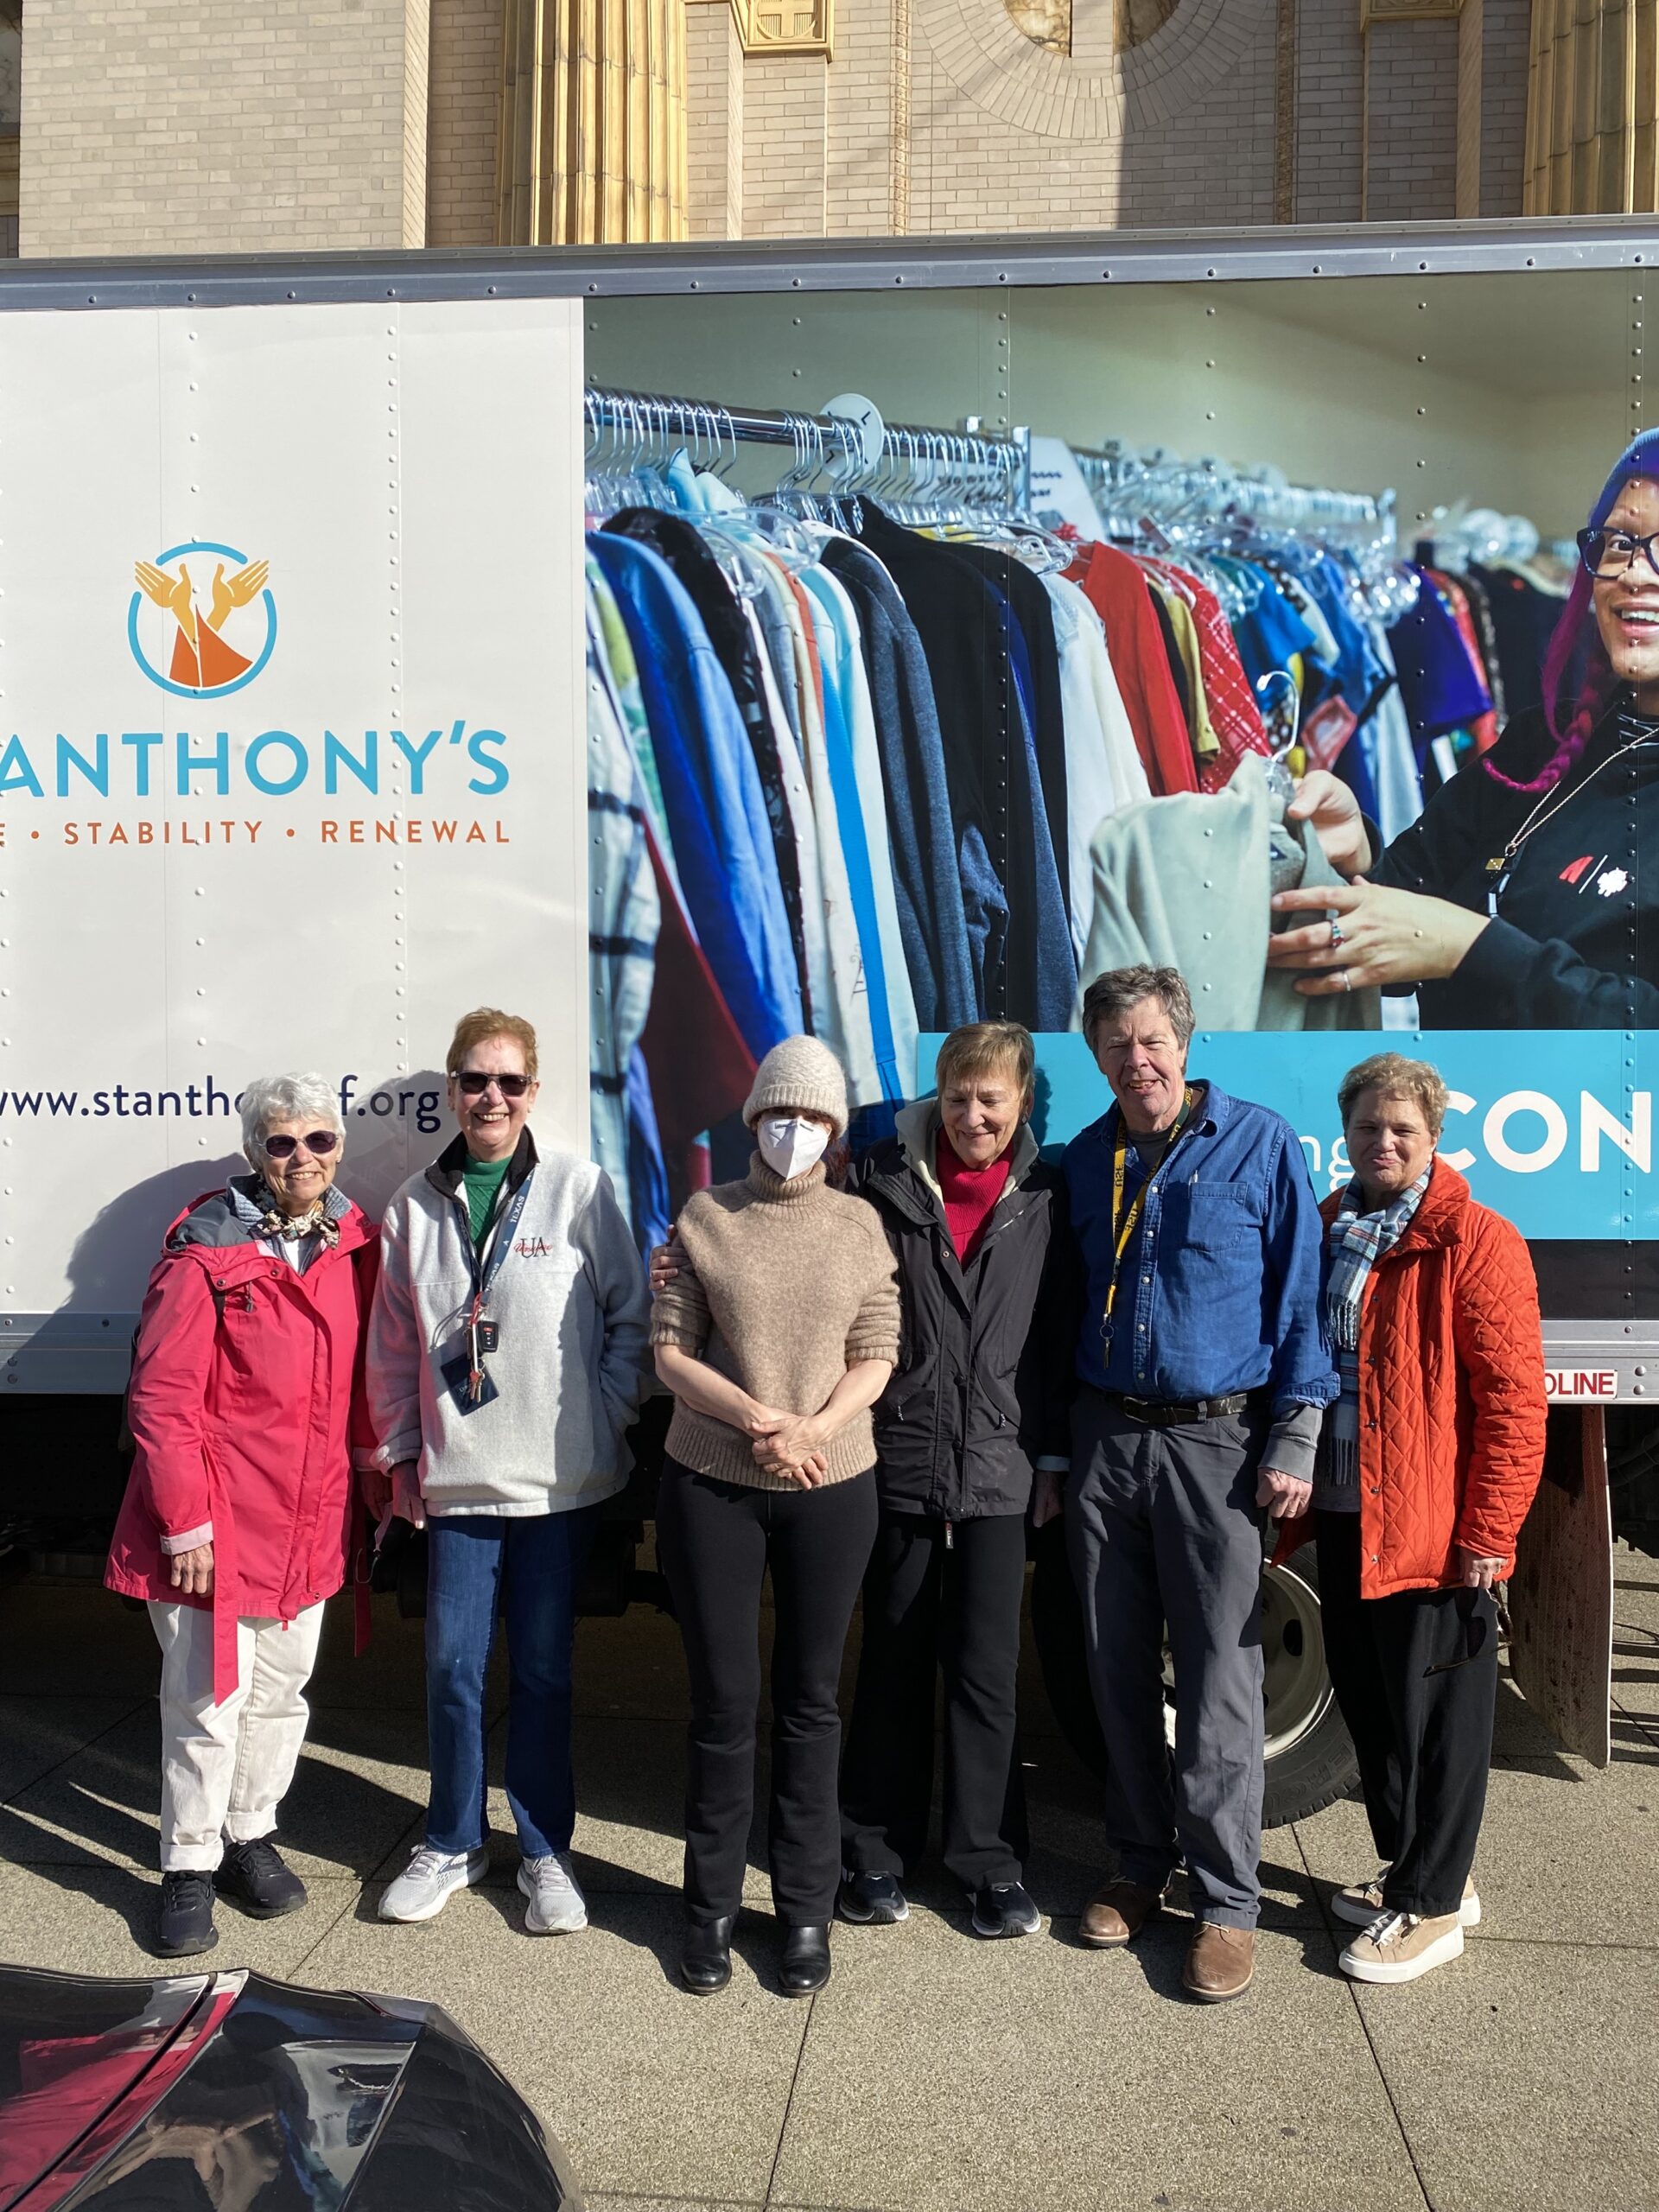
[[1399, 1947], [1361, 1901]]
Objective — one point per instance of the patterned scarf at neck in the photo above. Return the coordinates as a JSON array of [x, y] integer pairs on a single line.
[[320, 1220], [1357, 1242]]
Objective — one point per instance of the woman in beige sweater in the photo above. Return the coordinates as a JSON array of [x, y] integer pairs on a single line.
[[776, 1336]]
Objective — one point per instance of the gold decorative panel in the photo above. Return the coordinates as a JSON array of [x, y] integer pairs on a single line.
[[786, 26], [1397, 11], [1592, 108], [1046, 24], [1139, 20]]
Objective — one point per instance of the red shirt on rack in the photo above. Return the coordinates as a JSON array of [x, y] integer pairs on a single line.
[[970, 1195], [1118, 591]]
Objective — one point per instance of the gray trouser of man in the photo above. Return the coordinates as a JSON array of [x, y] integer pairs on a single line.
[[1162, 1528]]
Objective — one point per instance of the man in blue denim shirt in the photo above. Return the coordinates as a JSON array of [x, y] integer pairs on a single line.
[[1202, 1375]]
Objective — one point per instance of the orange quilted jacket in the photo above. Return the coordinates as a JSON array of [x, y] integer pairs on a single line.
[[1451, 1394]]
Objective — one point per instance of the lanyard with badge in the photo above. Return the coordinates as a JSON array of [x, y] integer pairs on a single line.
[[1126, 1222], [470, 1384]]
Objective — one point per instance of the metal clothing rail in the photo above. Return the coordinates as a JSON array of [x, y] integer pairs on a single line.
[[1219, 489], [968, 456]]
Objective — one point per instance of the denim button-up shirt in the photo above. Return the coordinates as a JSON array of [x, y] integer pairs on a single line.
[[1219, 1288]]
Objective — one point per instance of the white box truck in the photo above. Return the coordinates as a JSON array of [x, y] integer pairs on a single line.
[[293, 735]]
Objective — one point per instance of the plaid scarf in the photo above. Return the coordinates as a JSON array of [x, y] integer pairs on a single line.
[[1357, 1240]]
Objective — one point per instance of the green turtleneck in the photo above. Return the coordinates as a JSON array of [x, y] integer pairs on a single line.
[[482, 1179]]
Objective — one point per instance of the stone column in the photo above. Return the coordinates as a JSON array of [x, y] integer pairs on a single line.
[[592, 144], [1591, 101]]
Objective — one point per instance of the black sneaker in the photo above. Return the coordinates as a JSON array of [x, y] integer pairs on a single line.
[[867, 1897], [253, 1876], [1004, 1909], [186, 1920]]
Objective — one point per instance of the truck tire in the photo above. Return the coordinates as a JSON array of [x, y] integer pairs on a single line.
[[1310, 1755]]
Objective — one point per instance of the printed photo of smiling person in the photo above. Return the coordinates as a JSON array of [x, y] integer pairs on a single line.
[[1519, 899]]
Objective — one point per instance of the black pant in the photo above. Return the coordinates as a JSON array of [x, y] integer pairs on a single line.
[[927, 1606], [716, 1541], [1416, 1677]]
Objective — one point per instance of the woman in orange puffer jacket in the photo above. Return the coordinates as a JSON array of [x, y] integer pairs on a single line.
[[1427, 1464]]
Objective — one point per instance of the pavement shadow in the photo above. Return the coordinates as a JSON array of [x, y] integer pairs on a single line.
[[102, 1882]]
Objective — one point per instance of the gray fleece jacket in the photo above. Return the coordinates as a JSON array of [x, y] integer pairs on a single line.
[[571, 1368]]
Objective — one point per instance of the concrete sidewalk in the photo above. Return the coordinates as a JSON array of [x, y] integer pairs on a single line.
[[936, 2072]]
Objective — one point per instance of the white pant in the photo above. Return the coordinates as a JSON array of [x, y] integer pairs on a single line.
[[225, 1768]]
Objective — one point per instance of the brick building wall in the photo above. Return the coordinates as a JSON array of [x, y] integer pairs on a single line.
[[184, 126], [1411, 121], [463, 118], [1330, 111], [1506, 40]]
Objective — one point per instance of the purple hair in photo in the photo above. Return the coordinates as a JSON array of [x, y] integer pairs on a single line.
[[1639, 458]]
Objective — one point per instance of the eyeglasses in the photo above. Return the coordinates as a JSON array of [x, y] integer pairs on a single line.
[[1611, 552], [472, 1084], [320, 1141]]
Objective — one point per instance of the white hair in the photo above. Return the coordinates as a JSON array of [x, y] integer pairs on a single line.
[[287, 1098]]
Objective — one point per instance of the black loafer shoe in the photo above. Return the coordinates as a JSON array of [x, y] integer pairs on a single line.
[[867, 1897], [1004, 1909], [805, 1966], [253, 1876], [706, 1959], [186, 1920]]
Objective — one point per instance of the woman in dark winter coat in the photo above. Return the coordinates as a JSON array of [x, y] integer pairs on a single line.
[[976, 1410]]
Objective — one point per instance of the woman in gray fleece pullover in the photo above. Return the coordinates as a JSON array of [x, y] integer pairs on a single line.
[[776, 1335]]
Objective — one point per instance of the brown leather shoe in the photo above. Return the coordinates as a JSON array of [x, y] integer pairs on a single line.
[[1219, 1962], [1117, 1914]]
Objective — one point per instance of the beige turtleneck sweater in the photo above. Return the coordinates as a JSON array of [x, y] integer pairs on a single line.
[[782, 1288]]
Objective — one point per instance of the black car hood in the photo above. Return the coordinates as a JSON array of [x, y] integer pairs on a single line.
[[233, 2092]]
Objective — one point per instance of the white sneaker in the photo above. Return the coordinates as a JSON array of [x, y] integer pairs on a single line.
[[1361, 1901], [1399, 1947], [429, 1880], [553, 1906]]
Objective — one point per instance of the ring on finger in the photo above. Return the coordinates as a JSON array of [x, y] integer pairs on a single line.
[[1336, 933], [1341, 978]]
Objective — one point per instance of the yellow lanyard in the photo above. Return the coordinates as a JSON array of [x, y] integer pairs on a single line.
[[1124, 1224]]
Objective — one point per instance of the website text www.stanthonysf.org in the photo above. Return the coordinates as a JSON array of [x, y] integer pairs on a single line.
[[208, 1100]]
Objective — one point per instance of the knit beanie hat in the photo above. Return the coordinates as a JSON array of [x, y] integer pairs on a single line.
[[1639, 458], [802, 1073]]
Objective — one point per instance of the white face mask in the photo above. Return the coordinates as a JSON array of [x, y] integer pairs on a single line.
[[789, 1144]]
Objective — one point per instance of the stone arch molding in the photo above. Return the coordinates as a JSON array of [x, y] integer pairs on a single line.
[[1093, 93]]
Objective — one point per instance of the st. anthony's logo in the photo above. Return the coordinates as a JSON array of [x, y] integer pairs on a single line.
[[202, 622]]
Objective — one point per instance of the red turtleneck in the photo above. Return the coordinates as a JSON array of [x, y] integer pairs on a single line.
[[970, 1195]]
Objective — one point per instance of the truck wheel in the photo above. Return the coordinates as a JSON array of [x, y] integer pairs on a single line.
[[1310, 1756]]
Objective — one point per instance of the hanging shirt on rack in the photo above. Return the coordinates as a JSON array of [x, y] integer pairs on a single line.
[[863, 828], [964, 626], [1437, 678], [927, 877], [1103, 767], [1120, 594], [688, 555], [1184, 636], [1523, 620], [717, 813], [624, 915], [1234, 716]]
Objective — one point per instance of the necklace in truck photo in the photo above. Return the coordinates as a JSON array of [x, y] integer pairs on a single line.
[[1502, 866]]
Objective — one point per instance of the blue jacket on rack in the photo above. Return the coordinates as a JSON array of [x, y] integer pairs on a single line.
[[711, 791]]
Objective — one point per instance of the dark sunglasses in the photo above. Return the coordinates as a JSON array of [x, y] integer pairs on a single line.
[[320, 1141], [1611, 552], [472, 1084]]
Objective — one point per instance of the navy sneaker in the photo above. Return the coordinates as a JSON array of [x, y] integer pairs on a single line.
[[254, 1876], [1004, 1909], [872, 1897], [186, 1918]]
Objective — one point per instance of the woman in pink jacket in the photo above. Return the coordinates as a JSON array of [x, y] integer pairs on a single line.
[[247, 1408]]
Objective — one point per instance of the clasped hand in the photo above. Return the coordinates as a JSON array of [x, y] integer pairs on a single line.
[[789, 1445]]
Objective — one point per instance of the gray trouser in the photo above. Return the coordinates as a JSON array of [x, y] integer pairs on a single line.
[[1163, 1528]]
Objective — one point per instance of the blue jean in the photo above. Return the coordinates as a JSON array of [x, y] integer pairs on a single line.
[[542, 1559]]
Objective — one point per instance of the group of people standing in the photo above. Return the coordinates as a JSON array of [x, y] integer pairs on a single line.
[[882, 1371]]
